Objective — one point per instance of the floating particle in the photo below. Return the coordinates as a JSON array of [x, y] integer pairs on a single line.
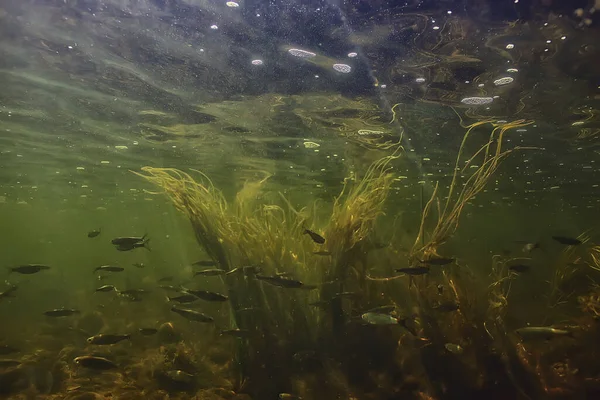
[[104, 162], [420, 80], [301, 53], [477, 101], [352, 54], [232, 4], [257, 62], [504, 81], [435, 28], [343, 68], [80, 168], [510, 46], [426, 159], [121, 147], [512, 70], [214, 27], [368, 132], [311, 145]]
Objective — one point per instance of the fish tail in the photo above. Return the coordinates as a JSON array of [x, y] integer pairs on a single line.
[[145, 244]]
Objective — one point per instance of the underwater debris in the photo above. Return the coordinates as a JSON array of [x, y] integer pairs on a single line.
[[454, 348], [8, 292], [437, 261]]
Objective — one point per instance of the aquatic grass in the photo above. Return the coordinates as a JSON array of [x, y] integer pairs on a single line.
[[491, 154]]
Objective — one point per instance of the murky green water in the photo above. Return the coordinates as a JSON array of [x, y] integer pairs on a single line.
[[344, 118]]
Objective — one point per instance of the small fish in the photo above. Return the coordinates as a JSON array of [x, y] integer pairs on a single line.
[[529, 247], [322, 253], [519, 268], [180, 376], [238, 333], [139, 265], [134, 292], [413, 270], [165, 279], [289, 396], [128, 247], [148, 331], [204, 263], [7, 349], [321, 304], [314, 236], [93, 362], [437, 261], [106, 288], [454, 348], [29, 269], [382, 309], [206, 295], [379, 319], [567, 240], [128, 240], [447, 306], [94, 233], [247, 269], [192, 315], [541, 333], [130, 297], [104, 339], [61, 312], [8, 292], [348, 295], [170, 288], [210, 272], [108, 268], [7, 363], [281, 281], [184, 298]]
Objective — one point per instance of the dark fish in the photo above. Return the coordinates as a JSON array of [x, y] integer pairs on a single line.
[[206, 295], [29, 269], [61, 312], [139, 265], [322, 253], [210, 272], [128, 247], [437, 261], [281, 281], [92, 362], [413, 270], [109, 268], [346, 295], [170, 288], [165, 279], [289, 396], [238, 333], [192, 315], [94, 233], [447, 306], [6, 349], [314, 236], [148, 331], [8, 292], [127, 241], [103, 339], [106, 288], [7, 363], [184, 298], [205, 263], [519, 268], [567, 240]]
